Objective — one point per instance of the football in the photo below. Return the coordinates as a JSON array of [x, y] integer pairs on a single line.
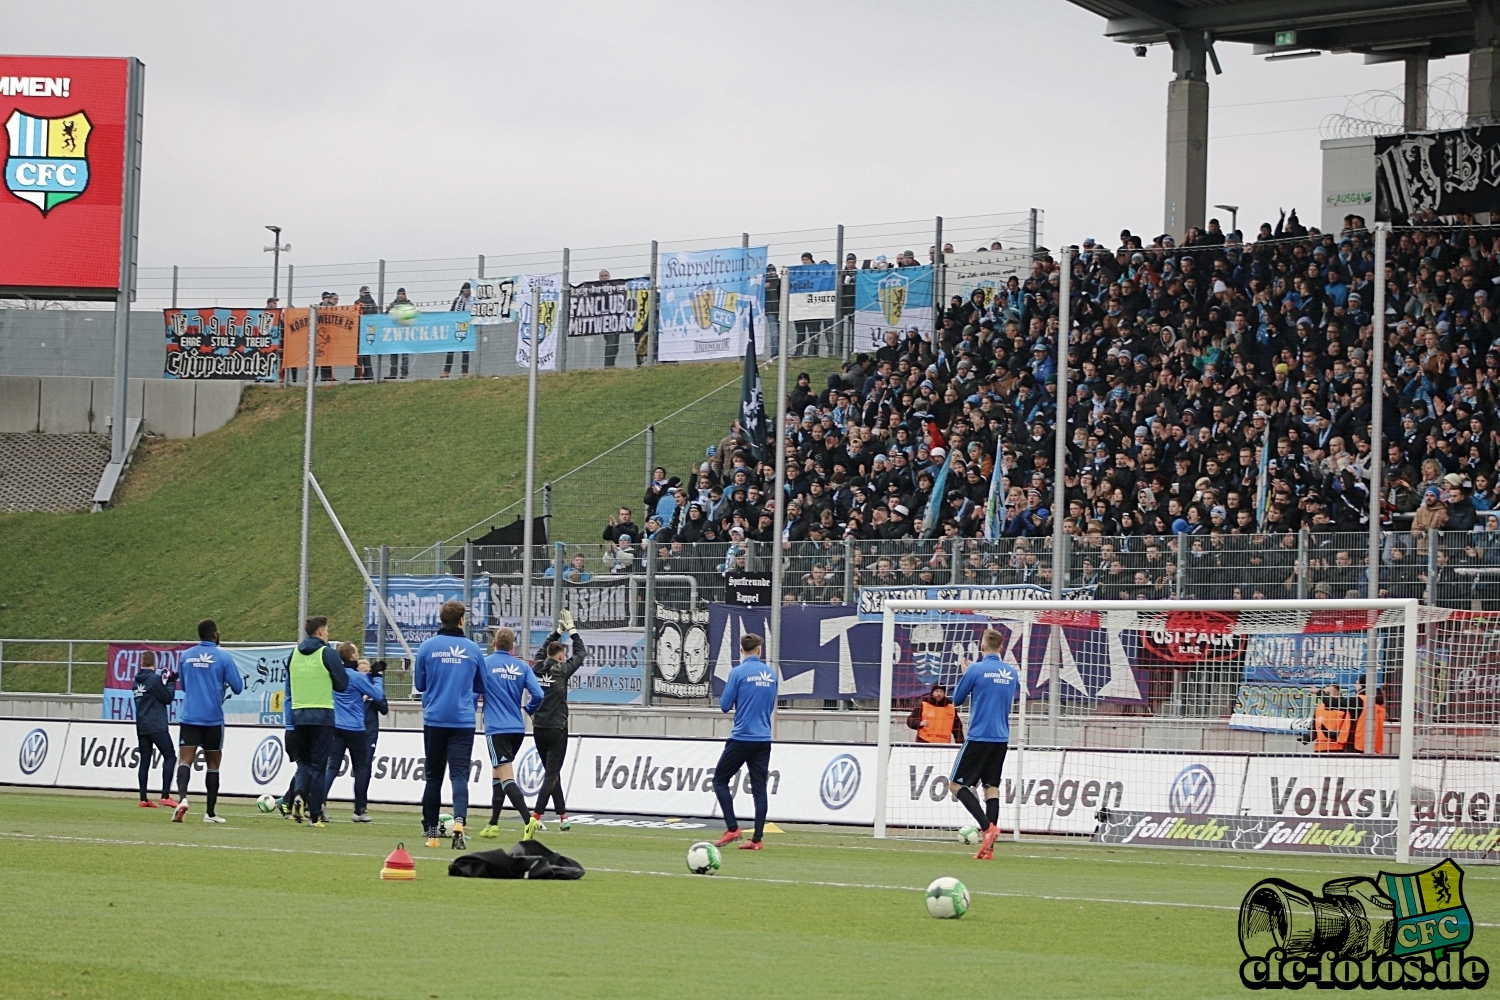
[[703, 858], [970, 835], [947, 899], [405, 313], [266, 803], [445, 825]]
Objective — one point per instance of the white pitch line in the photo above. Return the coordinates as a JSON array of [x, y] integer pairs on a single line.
[[656, 874]]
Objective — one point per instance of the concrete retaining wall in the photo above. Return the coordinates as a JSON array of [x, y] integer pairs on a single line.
[[78, 342], [65, 404]]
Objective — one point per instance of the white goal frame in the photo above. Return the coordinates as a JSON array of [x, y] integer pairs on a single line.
[[1409, 608]]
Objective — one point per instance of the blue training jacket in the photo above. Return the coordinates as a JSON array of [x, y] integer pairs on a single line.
[[994, 684], [206, 671], [501, 682], [447, 674], [349, 704], [751, 693]]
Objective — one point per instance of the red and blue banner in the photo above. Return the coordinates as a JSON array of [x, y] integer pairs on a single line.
[[242, 344]]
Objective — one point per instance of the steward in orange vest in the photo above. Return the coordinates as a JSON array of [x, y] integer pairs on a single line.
[[935, 719], [1359, 724], [1333, 721]]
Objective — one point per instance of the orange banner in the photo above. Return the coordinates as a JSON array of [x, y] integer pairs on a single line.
[[338, 336]]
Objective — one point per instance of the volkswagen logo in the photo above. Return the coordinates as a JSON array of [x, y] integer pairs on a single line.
[[1192, 791], [530, 772], [33, 751], [840, 781], [266, 763]]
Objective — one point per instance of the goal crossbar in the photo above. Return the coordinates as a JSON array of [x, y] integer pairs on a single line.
[[1409, 609]]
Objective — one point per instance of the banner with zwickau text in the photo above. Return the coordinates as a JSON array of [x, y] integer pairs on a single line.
[[707, 300], [242, 344], [429, 333], [338, 336], [897, 299], [618, 305]]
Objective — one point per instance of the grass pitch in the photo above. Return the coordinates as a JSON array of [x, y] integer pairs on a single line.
[[103, 899]]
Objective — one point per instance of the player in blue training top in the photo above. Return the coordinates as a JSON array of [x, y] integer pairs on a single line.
[[751, 693], [447, 673], [994, 684], [206, 670], [502, 682]]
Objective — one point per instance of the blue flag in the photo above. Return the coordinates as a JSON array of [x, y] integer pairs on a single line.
[[994, 519], [935, 502]]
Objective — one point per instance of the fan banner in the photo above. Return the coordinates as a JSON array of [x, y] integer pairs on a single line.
[[262, 676], [709, 299], [415, 602], [620, 305], [429, 333], [1454, 172], [241, 344], [895, 299], [338, 336], [680, 659], [810, 292], [548, 288], [872, 599], [984, 271], [493, 301], [600, 603], [614, 672]]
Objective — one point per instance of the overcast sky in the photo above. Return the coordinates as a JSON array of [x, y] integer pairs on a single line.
[[447, 129]]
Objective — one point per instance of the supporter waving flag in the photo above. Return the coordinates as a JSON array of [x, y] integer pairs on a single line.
[[935, 502], [994, 504]]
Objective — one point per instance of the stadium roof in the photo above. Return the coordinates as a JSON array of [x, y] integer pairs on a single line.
[[1382, 29]]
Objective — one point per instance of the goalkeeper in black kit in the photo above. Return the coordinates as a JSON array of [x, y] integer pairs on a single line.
[[549, 725]]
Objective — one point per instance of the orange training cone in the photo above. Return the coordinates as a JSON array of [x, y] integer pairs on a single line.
[[399, 866]]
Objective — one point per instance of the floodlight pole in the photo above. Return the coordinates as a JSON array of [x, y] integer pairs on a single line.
[[311, 481], [1377, 461], [527, 532], [307, 444], [1059, 488]]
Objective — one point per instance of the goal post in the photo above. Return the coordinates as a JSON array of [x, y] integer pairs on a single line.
[[1186, 723]]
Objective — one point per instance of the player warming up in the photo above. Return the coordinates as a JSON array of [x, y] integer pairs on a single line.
[[206, 671], [447, 672], [502, 682], [993, 684], [549, 723], [153, 697], [750, 693]]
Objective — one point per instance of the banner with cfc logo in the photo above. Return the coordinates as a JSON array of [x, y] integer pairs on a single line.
[[983, 271], [898, 299], [709, 299], [428, 333], [549, 298], [262, 673]]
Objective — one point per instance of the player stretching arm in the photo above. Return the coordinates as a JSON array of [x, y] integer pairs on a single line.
[[502, 682], [549, 722], [206, 671], [750, 692], [993, 684]]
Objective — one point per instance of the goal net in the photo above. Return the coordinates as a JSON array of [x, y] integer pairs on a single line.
[[1211, 724]]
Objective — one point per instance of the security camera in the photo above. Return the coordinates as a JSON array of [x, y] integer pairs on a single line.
[[1140, 51]]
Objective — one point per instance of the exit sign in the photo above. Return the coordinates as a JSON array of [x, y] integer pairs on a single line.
[[1284, 38]]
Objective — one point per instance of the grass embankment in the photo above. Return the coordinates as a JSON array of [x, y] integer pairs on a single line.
[[209, 526]]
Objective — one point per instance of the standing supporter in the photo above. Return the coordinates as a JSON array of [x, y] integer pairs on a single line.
[[207, 672], [363, 370], [154, 693], [405, 359], [463, 302], [448, 673]]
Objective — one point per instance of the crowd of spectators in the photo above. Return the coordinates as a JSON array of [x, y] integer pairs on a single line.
[[1185, 361]]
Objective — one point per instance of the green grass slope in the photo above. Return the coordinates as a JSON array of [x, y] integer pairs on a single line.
[[118, 902], [209, 526]]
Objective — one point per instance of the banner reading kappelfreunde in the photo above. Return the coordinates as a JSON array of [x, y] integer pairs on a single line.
[[897, 299], [224, 343], [708, 299], [549, 287]]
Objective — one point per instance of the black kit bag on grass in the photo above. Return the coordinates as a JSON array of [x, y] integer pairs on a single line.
[[529, 859]]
